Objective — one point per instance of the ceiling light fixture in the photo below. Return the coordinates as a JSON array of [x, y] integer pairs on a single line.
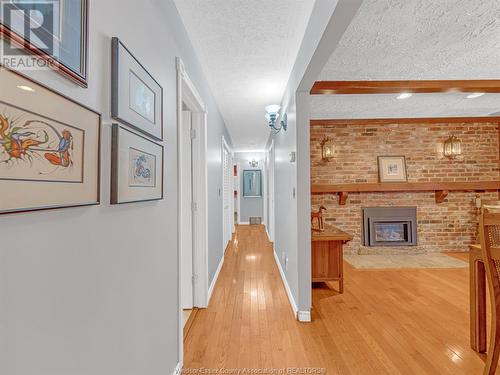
[[26, 88], [405, 95], [272, 114], [475, 95]]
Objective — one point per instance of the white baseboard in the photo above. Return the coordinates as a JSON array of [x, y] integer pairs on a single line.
[[178, 369], [293, 304], [244, 223], [304, 316], [214, 280]]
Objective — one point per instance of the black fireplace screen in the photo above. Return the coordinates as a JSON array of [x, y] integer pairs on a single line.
[[390, 226]]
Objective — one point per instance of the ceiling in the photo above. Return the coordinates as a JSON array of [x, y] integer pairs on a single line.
[[247, 50], [415, 40], [389, 106]]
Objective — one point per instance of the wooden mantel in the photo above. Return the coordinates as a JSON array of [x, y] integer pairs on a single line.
[[441, 189]]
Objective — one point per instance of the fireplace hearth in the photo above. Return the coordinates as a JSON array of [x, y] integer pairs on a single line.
[[389, 226]]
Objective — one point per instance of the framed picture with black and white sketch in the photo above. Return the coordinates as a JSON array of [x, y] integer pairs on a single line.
[[136, 97], [136, 167]]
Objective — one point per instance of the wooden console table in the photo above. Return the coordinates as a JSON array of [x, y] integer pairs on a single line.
[[327, 258]]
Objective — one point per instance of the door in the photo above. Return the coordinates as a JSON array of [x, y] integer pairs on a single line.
[[226, 194], [186, 212]]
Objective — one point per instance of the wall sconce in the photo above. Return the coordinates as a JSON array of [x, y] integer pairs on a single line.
[[327, 149], [254, 163], [272, 114], [452, 147]]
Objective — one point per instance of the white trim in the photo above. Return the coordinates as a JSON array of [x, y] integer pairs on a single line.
[[178, 369], [214, 280], [304, 316], [231, 228], [244, 223], [293, 304], [268, 236], [187, 93]]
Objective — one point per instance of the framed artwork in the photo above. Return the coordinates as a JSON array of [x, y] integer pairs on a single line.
[[252, 183], [61, 39], [392, 169], [136, 167], [49, 148], [137, 98]]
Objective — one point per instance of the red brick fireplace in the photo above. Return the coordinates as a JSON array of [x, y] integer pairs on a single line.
[[447, 226]]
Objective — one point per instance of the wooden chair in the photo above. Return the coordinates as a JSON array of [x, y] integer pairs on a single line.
[[490, 245]]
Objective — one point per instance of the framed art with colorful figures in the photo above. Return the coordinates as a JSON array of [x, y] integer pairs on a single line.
[[136, 167], [49, 148]]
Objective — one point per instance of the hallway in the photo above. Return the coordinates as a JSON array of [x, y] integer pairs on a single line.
[[388, 321]]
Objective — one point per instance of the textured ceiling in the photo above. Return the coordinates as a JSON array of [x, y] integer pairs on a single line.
[[388, 106], [412, 40], [247, 50]]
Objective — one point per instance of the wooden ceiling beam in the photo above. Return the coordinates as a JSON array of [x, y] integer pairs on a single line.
[[397, 87], [385, 121]]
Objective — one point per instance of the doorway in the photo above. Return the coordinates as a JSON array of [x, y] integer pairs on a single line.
[[192, 192], [227, 194]]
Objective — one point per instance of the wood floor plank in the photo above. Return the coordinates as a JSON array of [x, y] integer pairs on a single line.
[[404, 321]]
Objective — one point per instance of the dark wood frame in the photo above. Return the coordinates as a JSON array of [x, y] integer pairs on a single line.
[[98, 198], [81, 80], [115, 87], [115, 131]]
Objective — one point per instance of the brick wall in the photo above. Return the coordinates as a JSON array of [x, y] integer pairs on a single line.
[[449, 226]]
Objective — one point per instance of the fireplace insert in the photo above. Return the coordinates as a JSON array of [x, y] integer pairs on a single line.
[[390, 226]]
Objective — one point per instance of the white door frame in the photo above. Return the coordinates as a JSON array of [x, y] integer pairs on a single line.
[[225, 145], [270, 182], [188, 94]]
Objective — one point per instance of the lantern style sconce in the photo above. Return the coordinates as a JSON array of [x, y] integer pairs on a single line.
[[327, 149], [452, 147]]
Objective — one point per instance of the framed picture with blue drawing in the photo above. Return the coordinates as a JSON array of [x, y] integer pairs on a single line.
[[136, 167], [136, 97], [252, 183]]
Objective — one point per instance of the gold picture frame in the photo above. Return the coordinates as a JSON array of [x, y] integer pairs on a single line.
[[392, 169]]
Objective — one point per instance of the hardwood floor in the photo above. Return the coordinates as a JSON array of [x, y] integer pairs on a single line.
[[386, 322]]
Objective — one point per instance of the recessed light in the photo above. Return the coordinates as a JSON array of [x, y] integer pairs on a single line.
[[475, 95], [26, 88], [405, 95]]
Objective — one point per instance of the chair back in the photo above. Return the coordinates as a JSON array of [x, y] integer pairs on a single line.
[[493, 206], [490, 241], [489, 227]]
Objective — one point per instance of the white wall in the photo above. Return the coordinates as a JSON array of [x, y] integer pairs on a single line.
[[94, 290], [328, 22]]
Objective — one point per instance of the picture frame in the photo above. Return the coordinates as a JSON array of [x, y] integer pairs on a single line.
[[252, 183], [67, 50], [136, 97], [136, 167], [49, 148], [392, 169]]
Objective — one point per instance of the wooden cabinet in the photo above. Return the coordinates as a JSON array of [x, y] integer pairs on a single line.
[[327, 258]]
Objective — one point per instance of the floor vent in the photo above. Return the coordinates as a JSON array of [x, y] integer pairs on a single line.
[[255, 220]]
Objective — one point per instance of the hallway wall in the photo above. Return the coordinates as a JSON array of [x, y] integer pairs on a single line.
[[94, 290], [291, 186]]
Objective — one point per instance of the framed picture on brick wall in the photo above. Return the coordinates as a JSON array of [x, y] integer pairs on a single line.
[[392, 169]]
